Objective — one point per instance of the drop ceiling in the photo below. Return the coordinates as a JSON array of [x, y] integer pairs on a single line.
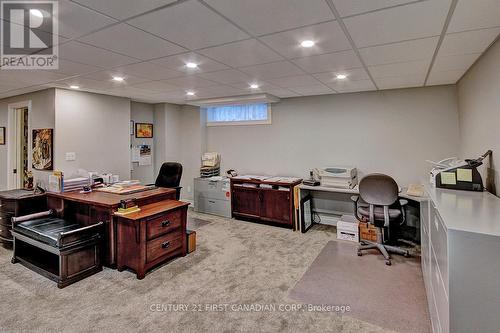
[[378, 44]]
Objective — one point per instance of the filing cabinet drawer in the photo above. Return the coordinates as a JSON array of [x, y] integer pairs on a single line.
[[163, 224], [440, 296], [163, 245], [439, 242], [213, 206], [425, 256], [211, 189]]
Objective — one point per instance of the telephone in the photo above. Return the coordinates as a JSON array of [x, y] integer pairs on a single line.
[[231, 173]]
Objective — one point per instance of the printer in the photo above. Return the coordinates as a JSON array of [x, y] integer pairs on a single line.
[[337, 176], [455, 174]]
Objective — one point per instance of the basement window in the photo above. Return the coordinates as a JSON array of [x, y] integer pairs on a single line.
[[238, 114]]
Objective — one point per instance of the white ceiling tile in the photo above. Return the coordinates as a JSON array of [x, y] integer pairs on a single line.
[[295, 81], [157, 86], [475, 14], [329, 62], [107, 75], [281, 92], [352, 86], [29, 77], [75, 21], [444, 77], [189, 82], [218, 91], [355, 74], [318, 89], [189, 24], [468, 42], [455, 62], [420, 49], [149, 70], [178, 63], [263, 85], [273, 70], [410, 68], [418, 20], [227, 76], [243, 53], [353, 7], [394, 82], [124, 39], [264, 16], [328, 37], [123, 8], [91, 55], [70, 68]]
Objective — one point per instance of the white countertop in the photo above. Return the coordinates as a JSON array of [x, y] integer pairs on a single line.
[[477, 212], [355, 190]]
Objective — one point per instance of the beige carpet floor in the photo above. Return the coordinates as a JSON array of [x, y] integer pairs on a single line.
[[236, 263]]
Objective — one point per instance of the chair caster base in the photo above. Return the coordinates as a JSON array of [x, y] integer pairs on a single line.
[[360, 254], [388, 262], [406, 254]]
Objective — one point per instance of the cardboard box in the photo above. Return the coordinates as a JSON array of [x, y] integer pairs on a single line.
[[347, 228], [367, 232], [191, 240]]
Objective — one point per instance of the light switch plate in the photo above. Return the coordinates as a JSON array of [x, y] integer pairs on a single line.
[[71, 156]]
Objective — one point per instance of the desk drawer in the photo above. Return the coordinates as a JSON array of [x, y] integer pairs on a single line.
[[164, 224], [5, 231], [164, 245], [440, 296], [439, 241]]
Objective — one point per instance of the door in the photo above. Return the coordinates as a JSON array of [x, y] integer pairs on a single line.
[[275, 206], [18, 147], [246, 201]]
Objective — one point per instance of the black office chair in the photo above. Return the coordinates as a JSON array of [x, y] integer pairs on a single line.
[[170, 176], [378, 204]]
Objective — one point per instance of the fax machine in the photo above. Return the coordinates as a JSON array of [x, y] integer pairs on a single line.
[[340, 177]]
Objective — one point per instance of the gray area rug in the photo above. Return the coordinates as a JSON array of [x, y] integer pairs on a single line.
[[388, 296]]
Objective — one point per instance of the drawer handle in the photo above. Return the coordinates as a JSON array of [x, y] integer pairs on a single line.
[[165, 245], [165, 223], [211, 201]]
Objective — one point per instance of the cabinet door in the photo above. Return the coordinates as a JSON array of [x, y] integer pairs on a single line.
[[246, 201], [276, 206]]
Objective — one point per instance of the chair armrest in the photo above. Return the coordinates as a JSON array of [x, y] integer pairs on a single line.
[[403, 202], [19, 219], [355, 198]]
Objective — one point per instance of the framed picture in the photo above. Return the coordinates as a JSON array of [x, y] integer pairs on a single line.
[[143, 130], [2, 135], [43, 143]]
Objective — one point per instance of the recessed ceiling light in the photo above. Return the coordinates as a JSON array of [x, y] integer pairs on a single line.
[[190, 93], [74, 87], [254, 86], [341, 76], [118, 79], [307, 43], [36, 12], [191, 65]]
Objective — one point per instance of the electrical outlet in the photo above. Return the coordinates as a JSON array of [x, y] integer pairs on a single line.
[[71, 156]]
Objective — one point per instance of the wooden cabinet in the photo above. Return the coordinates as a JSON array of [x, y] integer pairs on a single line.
[[262, 201], [16, 203], [152, 236]]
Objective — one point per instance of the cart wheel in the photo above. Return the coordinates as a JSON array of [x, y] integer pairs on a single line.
[[388, 262], [14, 261], [360, 254]]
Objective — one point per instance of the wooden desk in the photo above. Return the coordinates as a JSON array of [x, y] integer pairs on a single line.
[[95, 207]]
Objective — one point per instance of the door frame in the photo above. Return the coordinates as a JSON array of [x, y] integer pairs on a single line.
[[13, 180]]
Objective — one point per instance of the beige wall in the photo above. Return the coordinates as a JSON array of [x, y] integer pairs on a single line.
[[95, 127], [42, 116], [391, 131], [143, 113], [479, 110]]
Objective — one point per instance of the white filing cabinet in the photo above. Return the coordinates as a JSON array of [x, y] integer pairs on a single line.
[[212, 196], [460, 243]]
